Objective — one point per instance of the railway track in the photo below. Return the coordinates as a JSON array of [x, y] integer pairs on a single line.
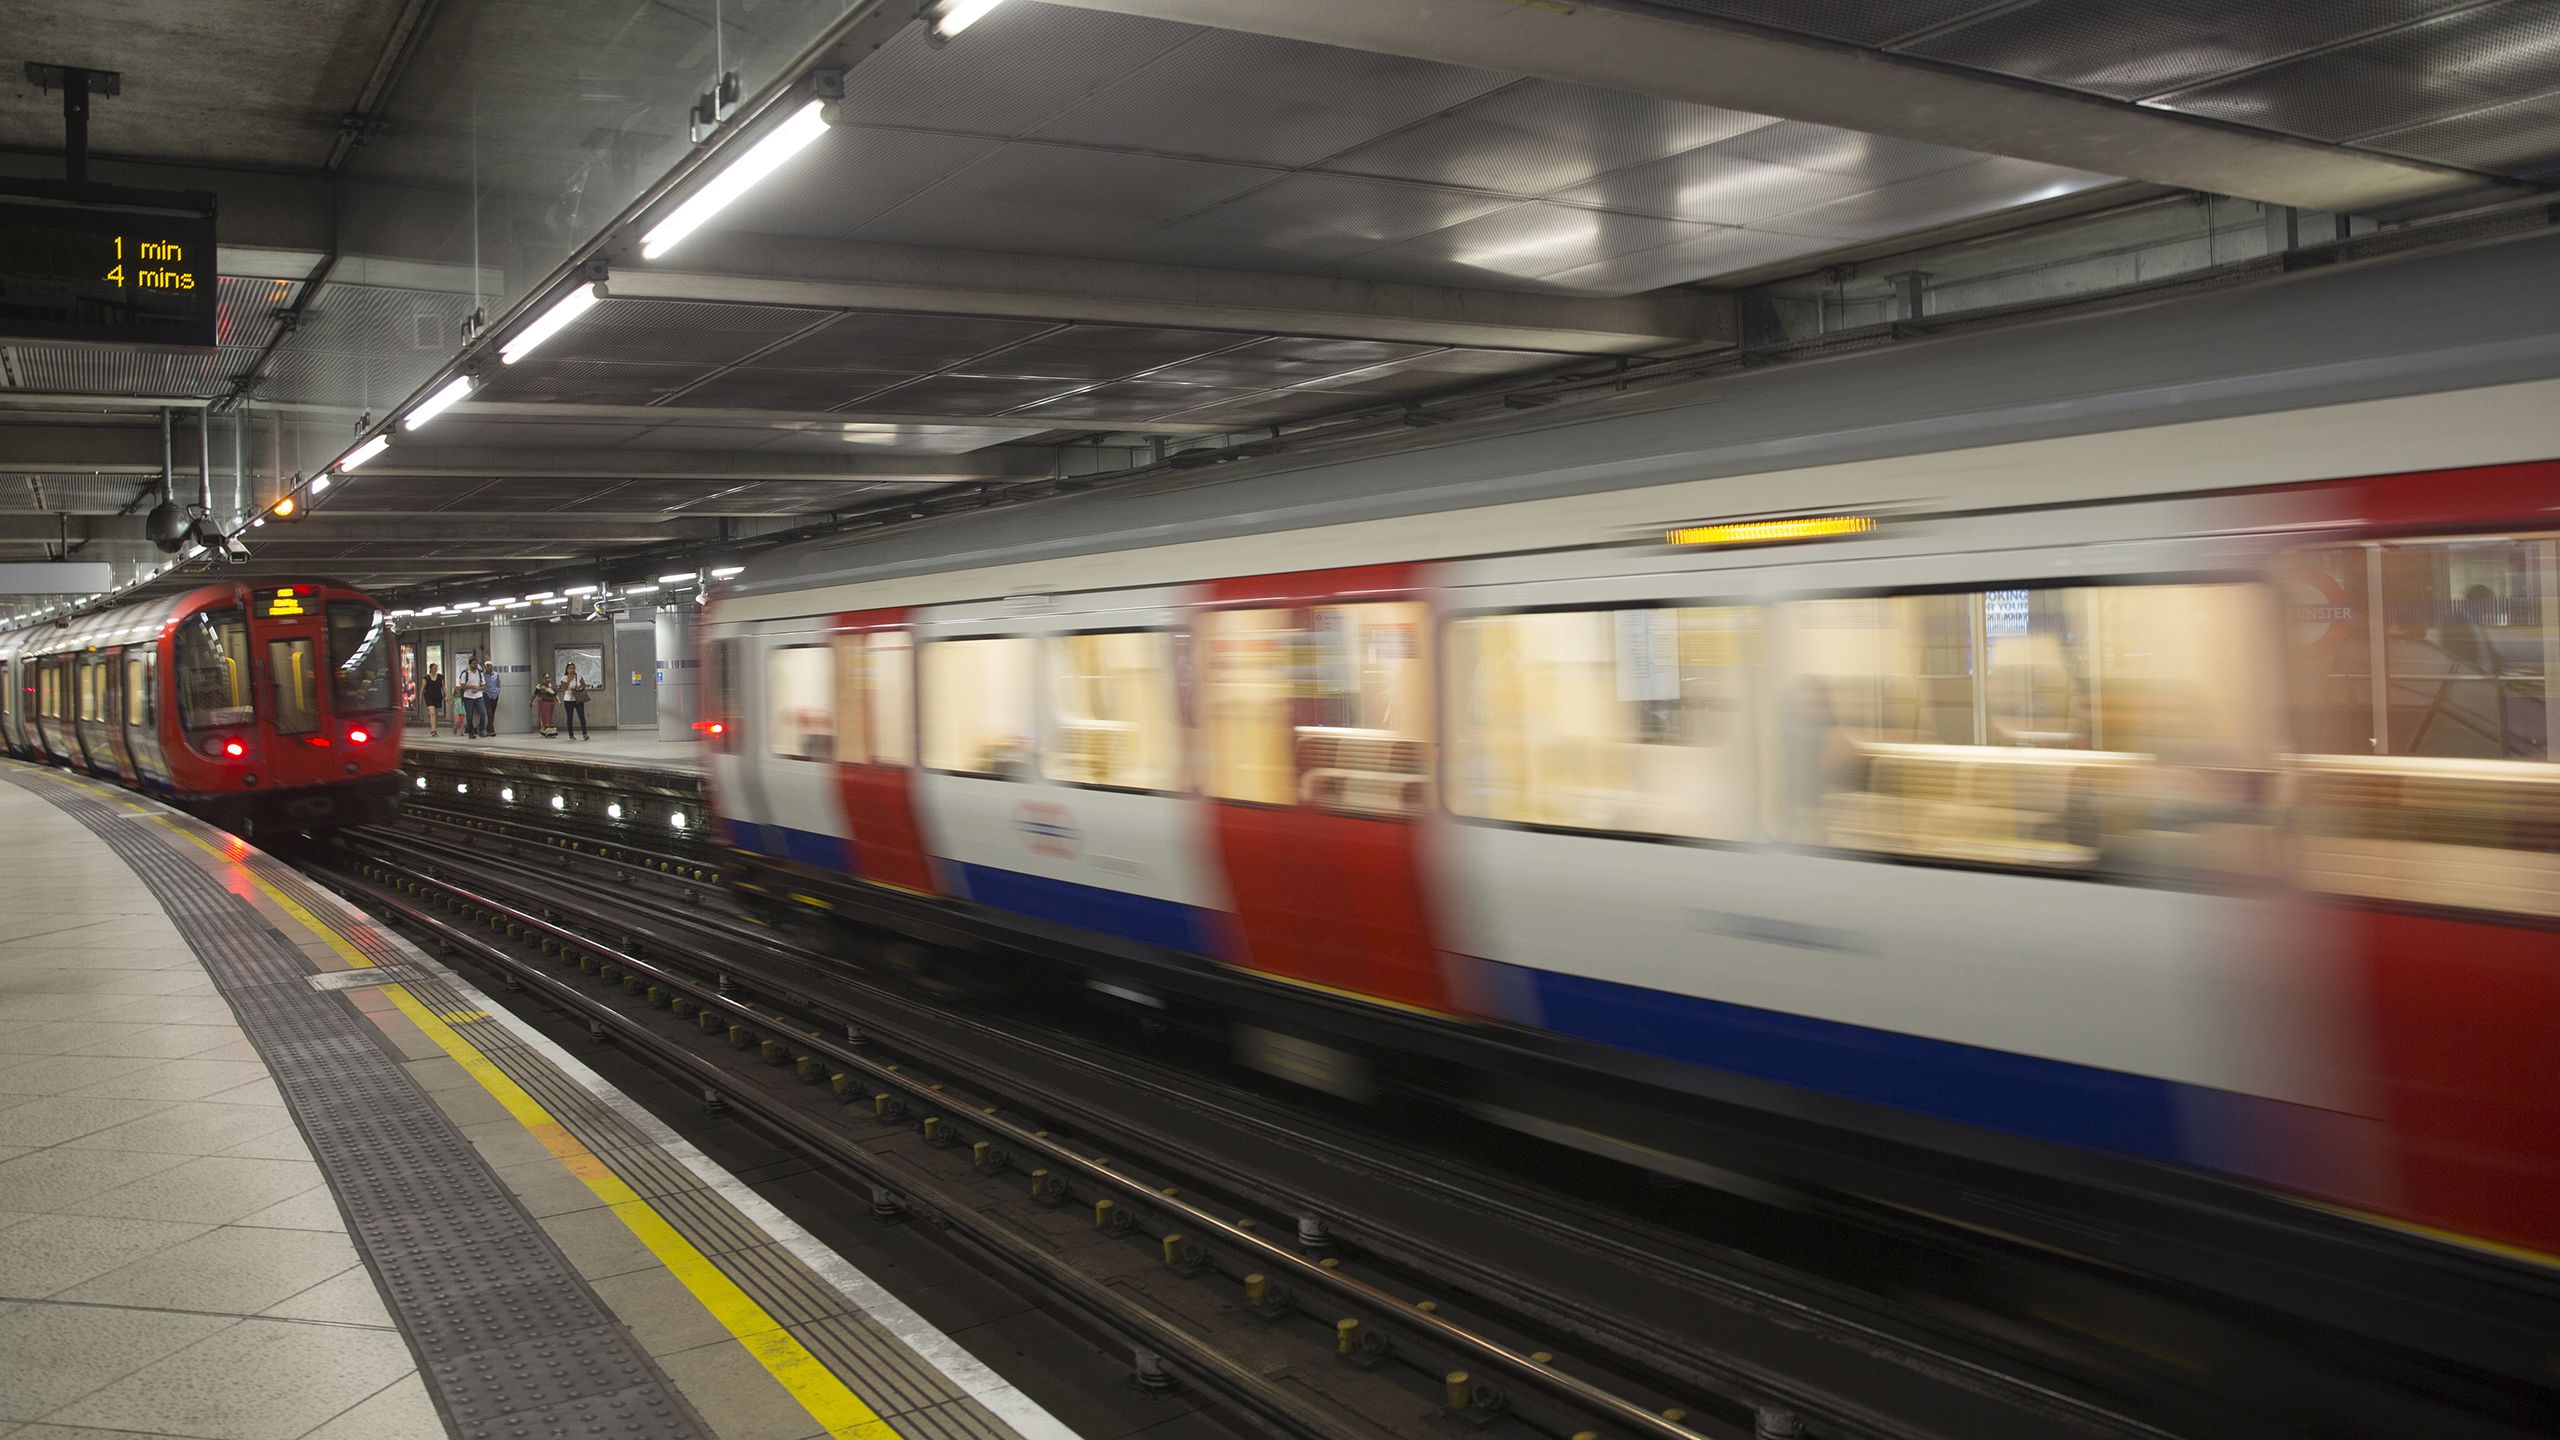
[[1658, 1319]]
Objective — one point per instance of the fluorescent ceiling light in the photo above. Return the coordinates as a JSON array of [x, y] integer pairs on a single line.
[[682, 577], [639, 589], [725, 571], [762, 158], [261, 520], [436, 404], [959, 15], [542, 595], [504, 600], [581, 590], [563, 312], [356, 457]]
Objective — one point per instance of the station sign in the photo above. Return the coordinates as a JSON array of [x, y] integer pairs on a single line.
[[86, 273]]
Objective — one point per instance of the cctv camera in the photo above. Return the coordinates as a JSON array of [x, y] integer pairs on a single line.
[[234, 549]]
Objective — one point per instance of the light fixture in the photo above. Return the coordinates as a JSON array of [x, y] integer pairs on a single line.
[[725, 571], [762, 158], [959, 15], [261, 520], [639, 589], [541, 595], [613, 811], [462, 787], [508, 794], [356, 457], [422, 782], [559, 802], [563, 313], [677, 820], [287, 507], [500, 600], [438, 403], [580, 590], [682, 577]]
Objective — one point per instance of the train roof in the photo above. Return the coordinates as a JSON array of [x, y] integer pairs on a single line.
[[2484, 316], [127, 624]]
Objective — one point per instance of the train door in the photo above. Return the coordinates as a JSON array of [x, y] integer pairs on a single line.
[[730, 790], [111, 716], [89, 722], [792, 748], [142, 714], [2426, 689], [876, 749], [1316, 707]]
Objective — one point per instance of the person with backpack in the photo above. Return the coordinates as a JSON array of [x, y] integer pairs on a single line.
[[474, 692]]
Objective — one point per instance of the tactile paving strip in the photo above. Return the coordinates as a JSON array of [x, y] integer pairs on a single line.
[[512, 1343]]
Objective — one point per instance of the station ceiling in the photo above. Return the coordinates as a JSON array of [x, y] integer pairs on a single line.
[[1083, 234]]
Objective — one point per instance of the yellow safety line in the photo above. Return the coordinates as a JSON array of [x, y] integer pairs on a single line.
[[818, 1389], [810, 1382]]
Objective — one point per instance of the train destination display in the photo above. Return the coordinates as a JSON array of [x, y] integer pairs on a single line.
[[120, 276]]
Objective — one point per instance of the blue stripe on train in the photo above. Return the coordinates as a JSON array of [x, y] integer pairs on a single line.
[[2023, 1094], [808, 847], [1168, 923]]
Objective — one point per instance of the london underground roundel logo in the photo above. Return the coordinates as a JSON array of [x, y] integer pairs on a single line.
[[2317, 610]]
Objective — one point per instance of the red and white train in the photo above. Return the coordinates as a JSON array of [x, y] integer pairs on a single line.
[[272, 707], [2020, 749]]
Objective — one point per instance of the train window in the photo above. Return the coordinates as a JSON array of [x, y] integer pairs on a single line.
[[92, 673], [892, 678], [800, 704], [875, 718], [2433, 784], [978, 713], [137, 691], [213, 670], [1328, 707], [725, 711], [1111, 703], [2111, 730], [1634, 721], [293, 682], [360, 652]]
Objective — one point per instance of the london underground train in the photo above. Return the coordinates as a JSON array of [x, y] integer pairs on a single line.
[[2021, 752], [265, 708]]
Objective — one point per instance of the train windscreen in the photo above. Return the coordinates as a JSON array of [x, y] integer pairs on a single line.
[[213, 670], [360, 652]]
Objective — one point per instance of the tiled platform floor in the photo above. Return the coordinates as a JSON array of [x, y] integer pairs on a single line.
[[171, 1262], [625, 747]]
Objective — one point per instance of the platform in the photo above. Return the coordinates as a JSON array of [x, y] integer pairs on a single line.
[[641, 748], [268, 1171]]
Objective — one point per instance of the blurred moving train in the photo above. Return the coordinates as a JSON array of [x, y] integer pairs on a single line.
[[2023, 749], [264, 708]]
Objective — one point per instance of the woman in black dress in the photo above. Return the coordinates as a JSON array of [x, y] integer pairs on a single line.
[[431, 694]]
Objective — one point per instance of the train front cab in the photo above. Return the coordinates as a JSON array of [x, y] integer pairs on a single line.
[[286, 709]]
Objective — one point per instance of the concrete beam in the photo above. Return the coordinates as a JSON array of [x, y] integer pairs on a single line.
[[767, 421], [785, 270], [446, 527], [1738, 68], [634, 464], [124, 448]]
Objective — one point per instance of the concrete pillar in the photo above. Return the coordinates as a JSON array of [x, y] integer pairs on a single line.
[[511, 651], [677, 673]]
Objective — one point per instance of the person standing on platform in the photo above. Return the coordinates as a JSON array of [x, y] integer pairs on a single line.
[[546, 697], [474, 696], [431, 694], [573, 692]]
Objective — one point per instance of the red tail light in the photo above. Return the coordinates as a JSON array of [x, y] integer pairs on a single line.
[[320, 740], [358, 736], [234, 749], [711, 727]]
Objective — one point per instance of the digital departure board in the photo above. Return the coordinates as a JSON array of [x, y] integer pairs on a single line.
[[289, 602], [71, 272]]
